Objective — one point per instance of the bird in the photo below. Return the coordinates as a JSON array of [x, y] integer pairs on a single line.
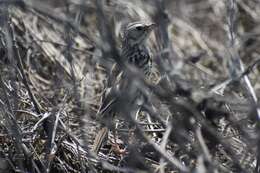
[[134, 53]]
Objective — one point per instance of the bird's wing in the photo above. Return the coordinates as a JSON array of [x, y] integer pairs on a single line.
[[108, 100], [113, 75], [110, 94]]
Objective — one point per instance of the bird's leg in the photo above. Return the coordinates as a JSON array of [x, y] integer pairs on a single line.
[[150, 126], [115, 132], [131, 127], [115, 146]]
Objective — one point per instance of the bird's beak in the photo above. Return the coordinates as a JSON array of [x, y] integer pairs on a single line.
[[151, 26]]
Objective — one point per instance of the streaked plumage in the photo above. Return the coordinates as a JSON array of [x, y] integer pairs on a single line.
[[133, 47], [134, 53]]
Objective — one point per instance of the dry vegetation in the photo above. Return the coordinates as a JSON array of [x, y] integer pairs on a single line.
[[202, 111]]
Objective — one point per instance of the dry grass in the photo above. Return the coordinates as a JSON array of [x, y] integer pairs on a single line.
[[202, 111]]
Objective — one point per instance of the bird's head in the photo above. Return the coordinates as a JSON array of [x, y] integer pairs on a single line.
[[137, 32]]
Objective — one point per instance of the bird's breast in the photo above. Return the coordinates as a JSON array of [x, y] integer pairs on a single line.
[[139, 57]]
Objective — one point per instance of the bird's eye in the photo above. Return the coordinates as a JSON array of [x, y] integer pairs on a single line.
[[139, 28]]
